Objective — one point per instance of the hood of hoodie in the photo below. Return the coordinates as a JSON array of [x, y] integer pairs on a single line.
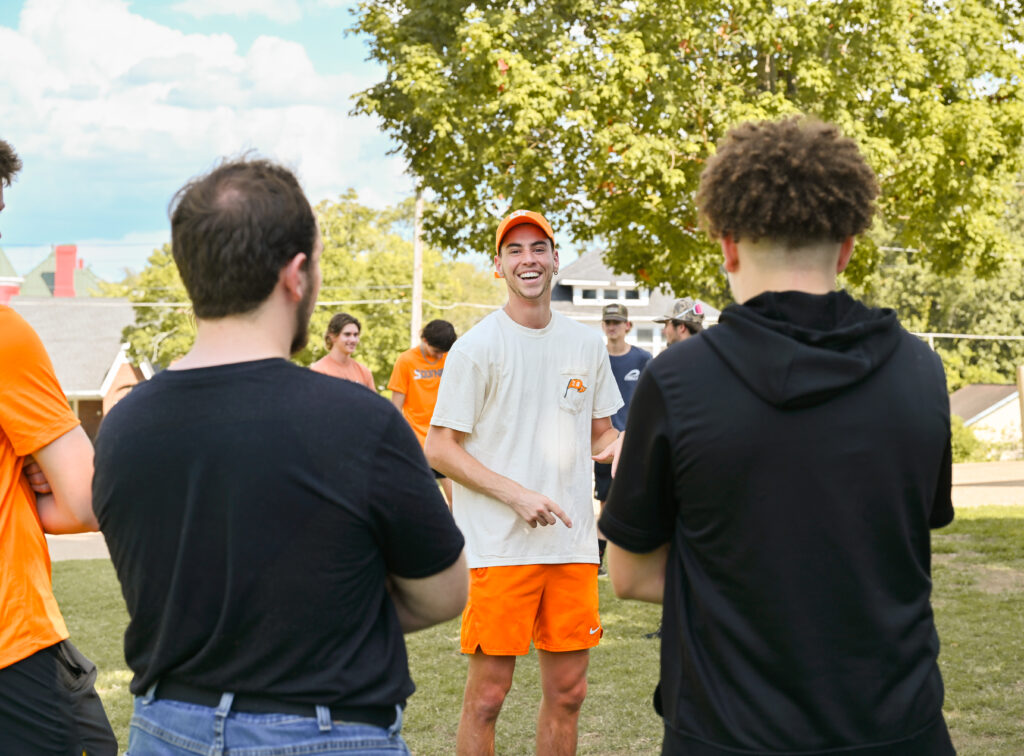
[[796, 350]]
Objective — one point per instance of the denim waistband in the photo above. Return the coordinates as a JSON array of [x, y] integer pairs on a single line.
[[250, 703]]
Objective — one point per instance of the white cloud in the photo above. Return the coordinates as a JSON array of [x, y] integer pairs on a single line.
[[282, 11], [91, 81]]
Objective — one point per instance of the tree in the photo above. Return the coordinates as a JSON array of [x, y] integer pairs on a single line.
[[367, 267], [367, 271], [164, 326], [961, 303], [603, 115]]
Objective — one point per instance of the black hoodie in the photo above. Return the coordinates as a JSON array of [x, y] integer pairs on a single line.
[[794, 456]]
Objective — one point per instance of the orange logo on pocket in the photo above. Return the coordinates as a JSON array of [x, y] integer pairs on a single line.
[[575, 383]]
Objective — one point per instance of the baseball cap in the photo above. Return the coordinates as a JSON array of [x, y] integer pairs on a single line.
[[518, 217], [615, 312], [684, 310]]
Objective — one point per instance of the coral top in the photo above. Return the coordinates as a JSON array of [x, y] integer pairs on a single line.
[[354, 371]]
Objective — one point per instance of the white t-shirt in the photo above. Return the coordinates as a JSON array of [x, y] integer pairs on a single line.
[[526, 398]]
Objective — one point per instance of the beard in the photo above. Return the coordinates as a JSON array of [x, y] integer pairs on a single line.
[[304, 311]]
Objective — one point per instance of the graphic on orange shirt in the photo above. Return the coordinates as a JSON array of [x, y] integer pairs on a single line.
[[34, 412], [418, 377]]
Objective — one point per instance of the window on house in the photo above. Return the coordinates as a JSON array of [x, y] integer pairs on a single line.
[[632, 294], [611, 294], [589, 293]]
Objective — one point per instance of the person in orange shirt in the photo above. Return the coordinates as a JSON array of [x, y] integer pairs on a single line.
[[414, 382], [48, 703], [342, 338]]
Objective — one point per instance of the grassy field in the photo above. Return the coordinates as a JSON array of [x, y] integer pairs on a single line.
[[979, 606]]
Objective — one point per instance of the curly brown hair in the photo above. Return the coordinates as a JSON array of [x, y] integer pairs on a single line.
[[10, 163], [796, 180]]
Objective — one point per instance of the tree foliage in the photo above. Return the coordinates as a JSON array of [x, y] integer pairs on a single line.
[[367, 271], [164, 326], [367, 264], [603, 114], [961, 303]]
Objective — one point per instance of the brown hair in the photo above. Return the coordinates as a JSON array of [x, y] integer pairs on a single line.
[[440, 334], [233, 229], [10, 163], [797, 180], [338, 322]]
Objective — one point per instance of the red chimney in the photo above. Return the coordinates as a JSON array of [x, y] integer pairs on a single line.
[[64, 276], [8, 290]]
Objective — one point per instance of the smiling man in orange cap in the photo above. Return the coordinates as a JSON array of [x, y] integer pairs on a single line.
[[526, 398]]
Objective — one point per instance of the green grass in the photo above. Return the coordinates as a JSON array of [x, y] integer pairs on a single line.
[[979, 605]]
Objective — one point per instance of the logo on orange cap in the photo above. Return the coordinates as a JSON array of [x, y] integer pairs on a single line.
[[517, 218]]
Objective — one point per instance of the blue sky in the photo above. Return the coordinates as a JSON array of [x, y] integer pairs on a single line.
[[114, 104]]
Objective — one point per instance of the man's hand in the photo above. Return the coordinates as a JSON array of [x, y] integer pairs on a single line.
[[610, 454], [36, 476], [446, 454], [537, 509]]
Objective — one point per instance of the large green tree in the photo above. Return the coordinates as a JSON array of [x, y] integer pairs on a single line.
[[367, 271], [603, 114], [960, 303]]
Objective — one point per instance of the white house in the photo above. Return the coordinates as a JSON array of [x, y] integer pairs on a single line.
[[584, 286]]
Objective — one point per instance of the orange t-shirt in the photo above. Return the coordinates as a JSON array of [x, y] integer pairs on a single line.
[[33, 413], [417, 377], [352, 372]]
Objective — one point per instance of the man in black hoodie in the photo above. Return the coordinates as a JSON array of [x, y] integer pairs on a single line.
[[783, 519]]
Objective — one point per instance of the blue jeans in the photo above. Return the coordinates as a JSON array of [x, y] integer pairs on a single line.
[[165, 727]]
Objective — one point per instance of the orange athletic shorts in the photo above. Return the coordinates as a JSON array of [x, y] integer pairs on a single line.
[[555, 605]]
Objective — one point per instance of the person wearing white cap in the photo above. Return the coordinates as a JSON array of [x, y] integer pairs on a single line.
[[685, 320]]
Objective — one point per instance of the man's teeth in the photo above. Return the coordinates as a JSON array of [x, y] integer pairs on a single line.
[[530, 275]]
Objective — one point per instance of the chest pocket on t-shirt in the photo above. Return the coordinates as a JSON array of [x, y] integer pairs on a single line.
[[572, 389]]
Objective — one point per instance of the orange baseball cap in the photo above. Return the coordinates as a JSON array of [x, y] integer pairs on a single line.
[[518, 217]]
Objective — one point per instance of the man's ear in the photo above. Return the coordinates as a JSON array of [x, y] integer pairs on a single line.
[[498, 272], [845, 252], [294, 277], [730, 253]]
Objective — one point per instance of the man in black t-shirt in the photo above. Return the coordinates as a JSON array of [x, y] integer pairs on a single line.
[[783, 519], [275, 530]]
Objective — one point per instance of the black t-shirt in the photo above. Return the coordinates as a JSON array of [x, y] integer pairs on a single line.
[[253, 512], [794, 457]]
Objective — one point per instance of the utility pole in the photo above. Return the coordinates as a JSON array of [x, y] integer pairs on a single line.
[[416, 321]]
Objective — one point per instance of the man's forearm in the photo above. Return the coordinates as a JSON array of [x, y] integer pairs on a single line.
[[638, 576], [602, 441], [67, 464], [59, 520], [450, 459], [445, 454], [424, 602]]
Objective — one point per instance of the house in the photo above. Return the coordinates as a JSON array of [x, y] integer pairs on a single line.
[[62, 274], [583, 287], [83, 338], [992, 411]]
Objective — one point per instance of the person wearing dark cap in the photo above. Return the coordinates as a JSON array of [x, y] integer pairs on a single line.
[[627, 363], [685, 320], [783, 518]]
